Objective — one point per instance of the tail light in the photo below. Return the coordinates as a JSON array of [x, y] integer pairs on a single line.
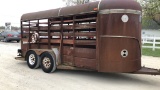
[[9, 35]]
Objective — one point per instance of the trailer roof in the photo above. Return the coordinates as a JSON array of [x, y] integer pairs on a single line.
[[84, 8]]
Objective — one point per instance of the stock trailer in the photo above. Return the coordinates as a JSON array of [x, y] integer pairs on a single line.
[[102, 36]]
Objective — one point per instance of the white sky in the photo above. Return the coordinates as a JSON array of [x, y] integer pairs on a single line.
[[11, 10]]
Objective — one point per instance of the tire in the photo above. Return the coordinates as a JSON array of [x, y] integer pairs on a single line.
[[48, 64], [17, 41], [5, 40], [33, 60]]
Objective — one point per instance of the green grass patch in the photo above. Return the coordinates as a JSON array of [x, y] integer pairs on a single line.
[[157, 40], [148, 44], [150, 52]]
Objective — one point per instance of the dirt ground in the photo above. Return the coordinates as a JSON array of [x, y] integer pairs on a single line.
[[15, 75]]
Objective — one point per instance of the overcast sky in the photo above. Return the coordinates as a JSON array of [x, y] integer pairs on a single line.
[[11, 10]]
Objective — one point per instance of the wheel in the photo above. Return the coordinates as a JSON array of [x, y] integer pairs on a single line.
[[17, 41], [5, 40], [48, 62], [33, 60]]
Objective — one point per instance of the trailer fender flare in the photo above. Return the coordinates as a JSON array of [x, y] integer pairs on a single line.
[[57, 55]]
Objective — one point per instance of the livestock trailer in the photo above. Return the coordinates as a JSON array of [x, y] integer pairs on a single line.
[[102, 36]]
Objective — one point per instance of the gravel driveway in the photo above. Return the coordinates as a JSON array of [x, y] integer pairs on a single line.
[[15, 75]]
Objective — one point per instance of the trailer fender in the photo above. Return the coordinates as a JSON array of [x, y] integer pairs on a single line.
[[57, 55], [54, 51]]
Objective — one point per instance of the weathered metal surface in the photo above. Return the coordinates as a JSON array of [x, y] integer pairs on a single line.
[[85, 53], [40, 51], [40, 15], [79, 9], [55, 41], [43, 28], [150, 71], [67, 67], [34, 46], [43, 34], [116, 43], [118, 38], [43, 46], [85, 42], [55, 22], [68, 41], [85, 26], [68, 27], [110, 11], [72, 68], [55, 28], [111, 59], [85, 63], [43, 40], [67, 50], [67, 60], [25, 39], [25, 35], [119, 4], [34, 28], [85, 34], [24, 48], [68, 54], [56, 34], [85, 8], [67, 34], [86, 19]]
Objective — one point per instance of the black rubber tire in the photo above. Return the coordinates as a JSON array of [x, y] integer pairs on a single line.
[[17, 41], [52, 66], [5, 40], [36, 64]]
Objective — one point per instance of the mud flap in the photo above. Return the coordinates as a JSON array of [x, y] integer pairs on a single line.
[[150, 71]]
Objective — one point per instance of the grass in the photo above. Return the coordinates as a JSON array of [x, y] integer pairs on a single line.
[[150, 52], [147, 44]]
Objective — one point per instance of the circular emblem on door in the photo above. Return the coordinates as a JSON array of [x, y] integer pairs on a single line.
[[125, 18], [124, 53]]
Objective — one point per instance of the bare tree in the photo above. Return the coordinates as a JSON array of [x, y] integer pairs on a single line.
[[151, 10]]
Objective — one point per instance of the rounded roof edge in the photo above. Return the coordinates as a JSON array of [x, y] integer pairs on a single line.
[[40, 14], [84, 8], [120, 4], [78, 9]]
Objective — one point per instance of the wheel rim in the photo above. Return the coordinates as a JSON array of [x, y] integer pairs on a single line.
[[46, 62], [32, 59]]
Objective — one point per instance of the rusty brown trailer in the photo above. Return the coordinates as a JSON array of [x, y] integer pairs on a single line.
[[103, 36]]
